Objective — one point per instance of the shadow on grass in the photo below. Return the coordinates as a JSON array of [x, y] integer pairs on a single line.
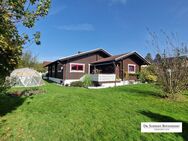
[[163, 118], [9, 103], [141, 92], [49, 81]]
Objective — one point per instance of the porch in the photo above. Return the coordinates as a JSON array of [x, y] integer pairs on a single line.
[[105, 73], [114, 71]]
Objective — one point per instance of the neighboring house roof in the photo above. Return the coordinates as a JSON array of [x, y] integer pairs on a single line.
[[45, 63], [121, 56], [82, 53]]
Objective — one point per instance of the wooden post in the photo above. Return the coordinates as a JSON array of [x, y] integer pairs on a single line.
[[122, 71], [94, 71], [115, 72]]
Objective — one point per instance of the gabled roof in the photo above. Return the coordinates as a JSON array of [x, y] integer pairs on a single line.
[[108, 59], [121, 56], [82, 53]]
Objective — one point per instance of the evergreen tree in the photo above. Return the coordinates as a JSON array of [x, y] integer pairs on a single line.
[[157, 57], [149, 57]]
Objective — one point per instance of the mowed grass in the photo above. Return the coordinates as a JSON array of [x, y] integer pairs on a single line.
[[72, 114]]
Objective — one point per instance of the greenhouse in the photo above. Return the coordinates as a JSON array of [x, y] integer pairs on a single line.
[[26, 77]]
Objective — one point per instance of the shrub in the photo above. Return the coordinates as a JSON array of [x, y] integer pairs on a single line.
[[147, 75], [77, 84], [4, 85], [87, 81]]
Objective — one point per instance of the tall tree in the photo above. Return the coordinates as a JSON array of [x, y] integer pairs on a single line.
[[28, 60], [14, 13], [149, 57], [172, 68], [157, 57]]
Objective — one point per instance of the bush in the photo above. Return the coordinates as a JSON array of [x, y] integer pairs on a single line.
[[4, 85], [77, 84], [87, 81], [147, 75]]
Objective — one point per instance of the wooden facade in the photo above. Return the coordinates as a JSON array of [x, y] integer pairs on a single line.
[[124, 66], [61, 69], [121, 66]]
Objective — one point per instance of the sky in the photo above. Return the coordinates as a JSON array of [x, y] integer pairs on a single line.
[[118, 26]]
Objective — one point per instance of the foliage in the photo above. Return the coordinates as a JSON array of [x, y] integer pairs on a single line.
[[4, 85], [149, 57], [77, 84], [171, 68], [14, 13], [157, 58], [28, 60], [127, 75], [147, 74], [87, 81], [69, 114]]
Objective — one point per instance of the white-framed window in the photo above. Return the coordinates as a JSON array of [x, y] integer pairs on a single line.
[[131, 68], [77, 67]]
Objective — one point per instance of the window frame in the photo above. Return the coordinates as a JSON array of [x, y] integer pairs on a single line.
[[53, 68], [59, 69], [132, 72], [80, 71]]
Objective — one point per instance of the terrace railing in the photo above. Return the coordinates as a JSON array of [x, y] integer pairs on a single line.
[[103, 77]]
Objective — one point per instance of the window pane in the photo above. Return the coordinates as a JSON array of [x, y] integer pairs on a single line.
[[80, 67], [59, 68], [74, 67], [131, 68], [53, 68]]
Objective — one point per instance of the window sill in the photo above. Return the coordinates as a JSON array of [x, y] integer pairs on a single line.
[[76, 71], [131, 72]]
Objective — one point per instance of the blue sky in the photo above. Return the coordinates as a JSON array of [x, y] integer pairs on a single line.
[[119, 26]]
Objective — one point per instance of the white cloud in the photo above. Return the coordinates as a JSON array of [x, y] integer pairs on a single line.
[[78, 27]]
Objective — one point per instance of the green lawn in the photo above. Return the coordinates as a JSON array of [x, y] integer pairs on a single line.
[[71, 114]]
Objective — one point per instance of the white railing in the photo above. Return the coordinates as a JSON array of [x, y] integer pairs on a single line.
[[103, 77]]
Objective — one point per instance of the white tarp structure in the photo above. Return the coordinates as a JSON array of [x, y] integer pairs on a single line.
[[26, 77]]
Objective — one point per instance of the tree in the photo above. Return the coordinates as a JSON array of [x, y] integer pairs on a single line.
[[157, 58], [14, 13], [172, 65], [28, 60], [149, 57]]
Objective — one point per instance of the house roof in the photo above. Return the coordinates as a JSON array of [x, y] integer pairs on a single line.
[[119, 57], [82, 53], [108, 59]]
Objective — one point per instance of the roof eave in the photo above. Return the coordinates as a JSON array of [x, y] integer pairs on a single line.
[[83, 53], [131, 53]]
